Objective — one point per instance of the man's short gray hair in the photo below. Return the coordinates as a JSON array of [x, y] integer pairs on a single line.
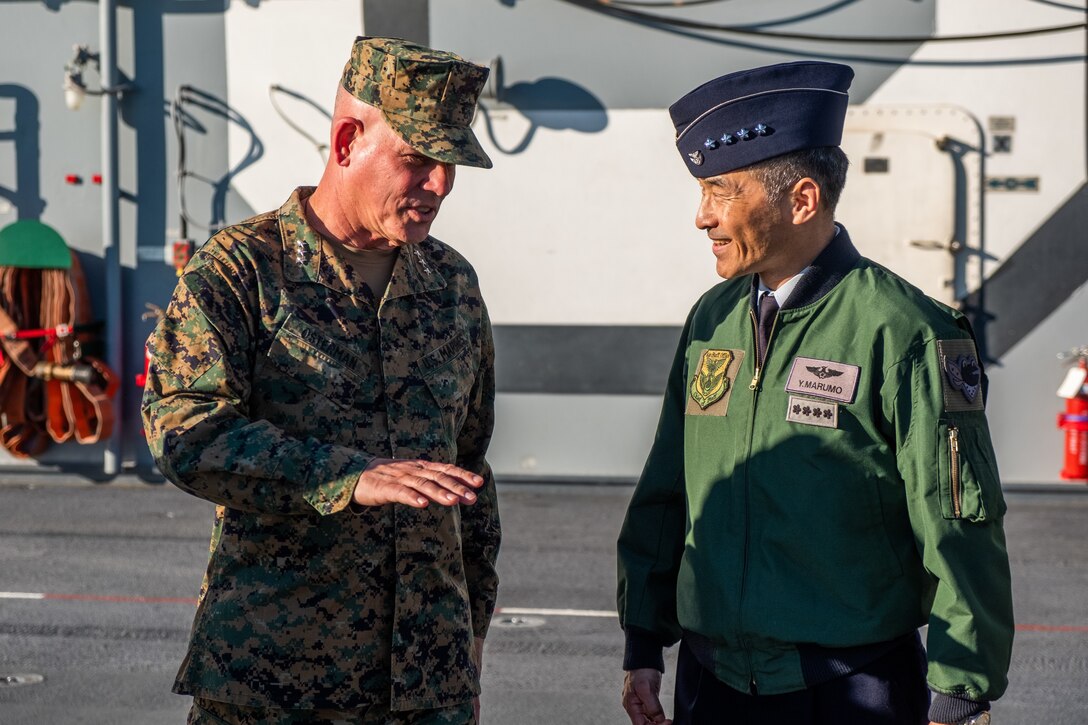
[[826, 165]]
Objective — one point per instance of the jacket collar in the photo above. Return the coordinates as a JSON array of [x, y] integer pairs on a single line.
[[416, 270], [825, 272], [309, 257]]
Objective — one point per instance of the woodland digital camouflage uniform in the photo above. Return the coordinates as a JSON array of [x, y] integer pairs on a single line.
[[210, 712], [275, 377]]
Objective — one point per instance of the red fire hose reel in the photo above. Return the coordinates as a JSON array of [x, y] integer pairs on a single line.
[[1074, 421]]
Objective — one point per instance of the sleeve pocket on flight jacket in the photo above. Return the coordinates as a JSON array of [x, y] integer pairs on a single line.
[[967, 473]]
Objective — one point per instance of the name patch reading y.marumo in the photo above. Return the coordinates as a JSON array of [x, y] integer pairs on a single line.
[[823, 379]]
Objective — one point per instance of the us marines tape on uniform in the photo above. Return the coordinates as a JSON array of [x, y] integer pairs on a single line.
[[284, 381]]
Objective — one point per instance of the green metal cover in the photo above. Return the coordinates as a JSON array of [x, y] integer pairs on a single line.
[[33, 244]]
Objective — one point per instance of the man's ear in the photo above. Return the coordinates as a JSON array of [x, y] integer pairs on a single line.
[[805, 199], [345, 131]]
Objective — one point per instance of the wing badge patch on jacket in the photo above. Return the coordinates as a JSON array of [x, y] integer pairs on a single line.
[[829, 379], [823, 371], [711, 381]]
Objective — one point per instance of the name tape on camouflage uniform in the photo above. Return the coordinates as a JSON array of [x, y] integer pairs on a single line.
[[812, 412], [961, 375], [823, 379]]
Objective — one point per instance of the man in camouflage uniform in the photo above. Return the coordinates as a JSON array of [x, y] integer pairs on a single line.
[[324, 374]]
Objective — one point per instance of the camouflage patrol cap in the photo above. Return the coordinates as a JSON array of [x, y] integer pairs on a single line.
[[427, 96]]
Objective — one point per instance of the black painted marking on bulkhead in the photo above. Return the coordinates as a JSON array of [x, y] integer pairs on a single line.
[[584, 359], [1034, 280], [635, 359]]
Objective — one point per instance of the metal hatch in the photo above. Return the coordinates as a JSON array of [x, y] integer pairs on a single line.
[[913, 192]]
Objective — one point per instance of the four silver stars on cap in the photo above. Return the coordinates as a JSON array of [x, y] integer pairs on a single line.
[[728, 139]]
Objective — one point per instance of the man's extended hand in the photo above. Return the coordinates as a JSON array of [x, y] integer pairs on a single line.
[[640, 697], [415, 483]]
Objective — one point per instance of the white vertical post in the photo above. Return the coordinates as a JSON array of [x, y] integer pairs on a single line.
[[107, 31]]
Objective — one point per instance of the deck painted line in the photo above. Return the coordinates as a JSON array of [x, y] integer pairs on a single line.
[[120, 599], [97, 598], [524, 611], [556, 612], [1049, 628]]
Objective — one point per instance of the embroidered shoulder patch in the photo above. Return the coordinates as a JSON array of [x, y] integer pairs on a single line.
[[712, 381], [961, 375]]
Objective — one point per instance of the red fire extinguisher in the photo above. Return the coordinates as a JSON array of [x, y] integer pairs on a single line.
[[154, 312], [141, 378], [1074, 421]]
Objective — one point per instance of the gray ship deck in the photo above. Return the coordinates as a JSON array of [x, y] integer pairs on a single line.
[[117, 566]]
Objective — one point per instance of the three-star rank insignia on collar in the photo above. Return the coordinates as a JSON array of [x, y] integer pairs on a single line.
[[711, 380]]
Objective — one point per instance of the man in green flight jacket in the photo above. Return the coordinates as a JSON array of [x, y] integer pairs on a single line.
[[822, 482]]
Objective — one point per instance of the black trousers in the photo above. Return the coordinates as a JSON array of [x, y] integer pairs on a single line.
[[889, 691]]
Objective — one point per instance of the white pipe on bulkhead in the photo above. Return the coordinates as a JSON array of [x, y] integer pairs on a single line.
[[107, 32]]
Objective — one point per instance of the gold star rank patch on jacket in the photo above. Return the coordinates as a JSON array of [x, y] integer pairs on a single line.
[[812, 412]]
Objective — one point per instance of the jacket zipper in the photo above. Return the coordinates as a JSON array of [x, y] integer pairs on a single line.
[[747, 544], [954, 468], [754, 387], [760, 358]]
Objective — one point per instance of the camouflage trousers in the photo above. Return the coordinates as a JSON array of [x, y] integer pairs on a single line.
[[213, 712]]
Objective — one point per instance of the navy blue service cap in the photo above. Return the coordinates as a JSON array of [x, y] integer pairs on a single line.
[[752, 115]]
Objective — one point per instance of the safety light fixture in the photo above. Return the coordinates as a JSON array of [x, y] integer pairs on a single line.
[[75, 89]]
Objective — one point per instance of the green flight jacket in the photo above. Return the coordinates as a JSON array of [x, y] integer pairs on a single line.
[[276, 376], [844, 495]]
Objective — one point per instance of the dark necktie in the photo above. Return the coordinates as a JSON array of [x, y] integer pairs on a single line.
[[768, 310]]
